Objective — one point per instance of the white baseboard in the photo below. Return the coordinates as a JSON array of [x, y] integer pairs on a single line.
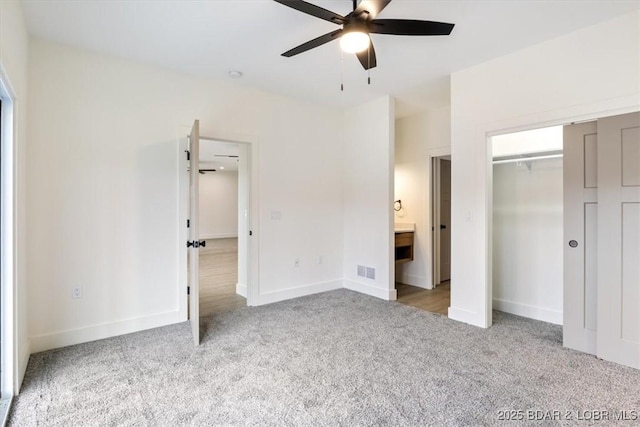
[[374, 291], [285, 294], [469, 317], [241, 290], [218, 236], [25, 353], [419, 282], [530, 311], [104, 330]]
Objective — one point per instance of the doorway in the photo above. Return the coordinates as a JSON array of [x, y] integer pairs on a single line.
[[220, 290], [190, 241], [441, 225], [527, 229], [434, 293]]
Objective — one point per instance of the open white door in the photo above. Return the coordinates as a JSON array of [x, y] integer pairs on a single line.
[[194, 244], [619, 239], [580, 235]]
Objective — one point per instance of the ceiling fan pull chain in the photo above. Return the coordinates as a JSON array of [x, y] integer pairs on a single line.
[[369, 63], [341, 71]]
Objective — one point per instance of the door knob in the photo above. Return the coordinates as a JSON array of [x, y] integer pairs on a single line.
[[203, 243], [573, 243], [443, 227]]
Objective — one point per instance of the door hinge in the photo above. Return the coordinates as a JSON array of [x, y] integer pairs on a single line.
[[188, 223], [250, 233], [188, 290], [188, 154]]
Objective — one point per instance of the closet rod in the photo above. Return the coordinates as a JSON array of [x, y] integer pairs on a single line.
[[527, 159]]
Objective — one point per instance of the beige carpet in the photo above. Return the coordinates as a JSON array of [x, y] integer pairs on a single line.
[[333, 359]]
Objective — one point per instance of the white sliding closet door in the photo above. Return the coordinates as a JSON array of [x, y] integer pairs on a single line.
[[602, 238], [619, 239], [580, 236]]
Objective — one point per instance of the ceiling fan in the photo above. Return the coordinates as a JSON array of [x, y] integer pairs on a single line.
[[359, 24]]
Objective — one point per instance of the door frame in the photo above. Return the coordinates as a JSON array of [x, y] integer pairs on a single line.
[[252, 197], [8, 248]]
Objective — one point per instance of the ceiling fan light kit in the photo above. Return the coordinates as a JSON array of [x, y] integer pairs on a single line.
[[354, 42], [359, 24]]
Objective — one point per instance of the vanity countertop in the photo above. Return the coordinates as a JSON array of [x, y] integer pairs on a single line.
[[404, 227]]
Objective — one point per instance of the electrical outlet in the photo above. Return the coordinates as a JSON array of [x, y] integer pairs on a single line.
[[296, 262], [76, 293]]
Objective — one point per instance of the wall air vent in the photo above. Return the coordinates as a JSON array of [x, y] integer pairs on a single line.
[[371, 273]]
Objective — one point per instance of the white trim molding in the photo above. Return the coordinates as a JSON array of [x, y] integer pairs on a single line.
[[103, 330], [469, 317], [285, 294], [25, 354], [241, 289], [530, 311], [374, 291], [418, 282]]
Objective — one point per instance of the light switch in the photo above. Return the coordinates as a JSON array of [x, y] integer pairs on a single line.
[[276, 215]]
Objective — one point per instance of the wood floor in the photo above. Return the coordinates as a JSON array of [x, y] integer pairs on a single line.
[[434, 300], [218, 277]]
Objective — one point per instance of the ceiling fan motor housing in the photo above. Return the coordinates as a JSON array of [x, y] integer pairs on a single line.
[[363, 21]]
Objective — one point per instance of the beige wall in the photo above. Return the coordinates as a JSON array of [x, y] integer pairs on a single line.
[[103, 206], [14, 43], [591, 73], [419, 137]]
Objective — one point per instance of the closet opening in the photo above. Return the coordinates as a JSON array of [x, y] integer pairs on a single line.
[[527, 228], [566, 232]]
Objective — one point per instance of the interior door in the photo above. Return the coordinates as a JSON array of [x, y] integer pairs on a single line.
[[581, 181], [435, 221], [193, 244], [618, 336], [445, 220]]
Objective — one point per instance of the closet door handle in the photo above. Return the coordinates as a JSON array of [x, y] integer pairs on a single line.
[[443, 227]]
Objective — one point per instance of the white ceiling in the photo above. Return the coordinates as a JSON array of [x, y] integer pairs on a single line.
[[210, 38], [212, 155]]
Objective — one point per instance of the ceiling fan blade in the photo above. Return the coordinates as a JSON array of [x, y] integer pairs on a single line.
[[372, 7], [410, 27], [319, 41], [313, 10], [368, 57]]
